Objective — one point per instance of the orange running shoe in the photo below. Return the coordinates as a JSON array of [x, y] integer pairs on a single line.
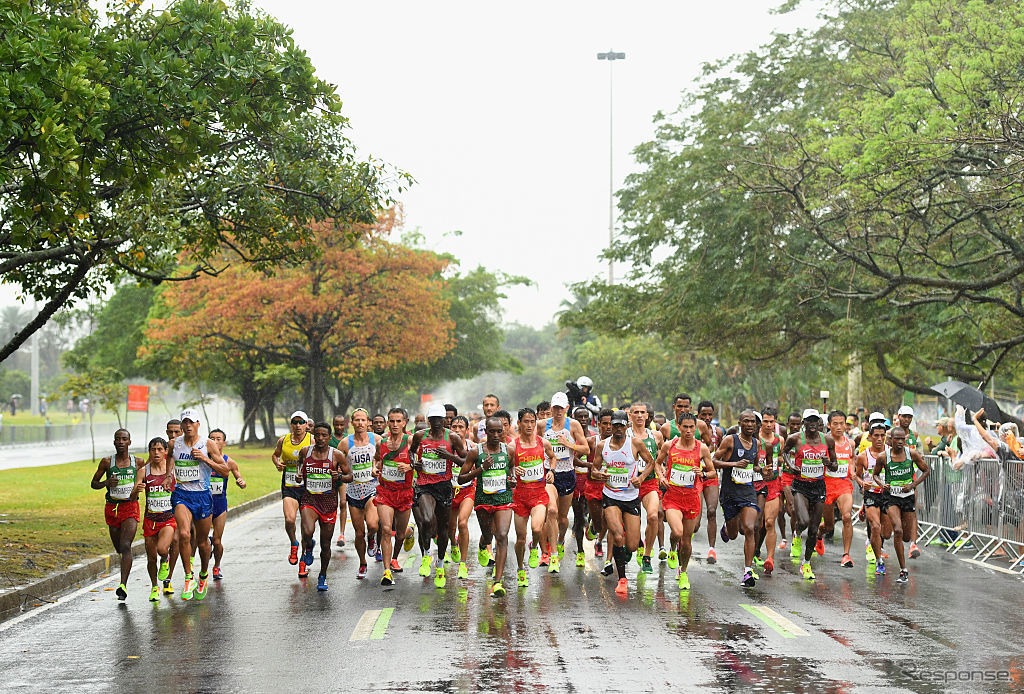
[[293, 555], [712, 556], [769, 566], [395, 566], [623, 587], [847, 561], [819, 547]]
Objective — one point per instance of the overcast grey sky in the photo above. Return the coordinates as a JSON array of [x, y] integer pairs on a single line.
[[500, 111]]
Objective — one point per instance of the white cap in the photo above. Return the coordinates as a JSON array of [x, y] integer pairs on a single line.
[[876, 417], [436, 410], [190, 414], [811, 413], [906, 409], [560, 400], [300, 414]]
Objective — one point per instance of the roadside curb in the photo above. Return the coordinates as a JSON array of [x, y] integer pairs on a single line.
[[59, 582]]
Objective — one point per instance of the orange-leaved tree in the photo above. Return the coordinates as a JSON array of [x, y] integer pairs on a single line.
[[364, 303]]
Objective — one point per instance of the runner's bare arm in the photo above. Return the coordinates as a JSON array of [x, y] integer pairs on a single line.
[[596, 473], [469, 471], [640, 450], [275, 457], [724, 451], [458, 456], [579, 442], [215, 458], [860, 463], [101, 470], [830, 445], [710, 472], [879, 464], [659, 464], [342, 466], [922, 465]]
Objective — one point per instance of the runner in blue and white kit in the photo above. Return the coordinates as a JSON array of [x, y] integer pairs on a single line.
[[219, 491], [567, 439], [194, 459], [359, 449]]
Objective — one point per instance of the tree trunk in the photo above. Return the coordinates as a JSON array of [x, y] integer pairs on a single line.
[[315, 385], [250, 410]]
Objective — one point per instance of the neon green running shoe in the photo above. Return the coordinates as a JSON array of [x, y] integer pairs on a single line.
[[456, 555], [524, 579], [439, 578], [165, 570], [758, 561], [673, 560], [662, 554], [483, 556], [794, 551], [581, 559], [684, 581], [590, 531], [411, 539], [554, 565], [640, 556], [869, 553], [154, 595], [498, 590], [534, 557], [806, 572], [561, 551], [203, 585], [463, 570], [425, 565], [448, 556], [189, 589]]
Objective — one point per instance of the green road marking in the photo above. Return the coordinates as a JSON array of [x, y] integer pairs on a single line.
[[382, 623], [365, 625], [776, 621]]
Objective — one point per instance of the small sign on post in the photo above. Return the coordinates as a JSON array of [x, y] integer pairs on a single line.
[[138, 398]]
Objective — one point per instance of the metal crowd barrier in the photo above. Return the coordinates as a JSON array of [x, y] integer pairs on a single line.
[[976, 511]]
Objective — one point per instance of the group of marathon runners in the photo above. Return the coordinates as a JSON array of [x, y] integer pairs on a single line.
[[528, 470]]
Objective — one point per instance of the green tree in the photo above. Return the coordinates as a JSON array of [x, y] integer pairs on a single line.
[[163, 144], [104, 387], [116, 332]]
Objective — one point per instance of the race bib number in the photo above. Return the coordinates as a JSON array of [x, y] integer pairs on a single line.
[[533, 473], [122, 491], [493, 481], [742, 475], [319, 484], [216, 485], [186, 473], [812, 471], [900, 491], [160, 503], [843, 471], [391, 472], [291, 477], [683, 477], [433, 465], [618, 479], [758, 477], [362, 473]]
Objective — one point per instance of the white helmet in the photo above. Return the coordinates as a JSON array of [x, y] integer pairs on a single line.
[[584, 382]]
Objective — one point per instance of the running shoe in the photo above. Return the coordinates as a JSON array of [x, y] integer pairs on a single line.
[[782, 545], [168, 588], [121, 592], [880, 568], [819, 547], [673, 560], [561, 552], [165, 570], [371, 547], [321, 583], [490, 560], [410, 539], [439, 577], [591, 534], [387, 579], [869, 554], [303, 568], [794, 550], [456, 555], [723, 534], [293, 554], [608, 569], [769, 566], [712, 557], [915, 551], [498, 590], [483, 556], [847, 561], [581, 559], [903, 577], [307, 558], [426, 563], [341, 542], [361, 574], [154, 595], [646, 567], [556, 563], [396, 567], [748, 579], [622, 588], [598, 550], [186, 593], [885, 555], [463, 570], [684, 581], [379, 555], [640, 555], [758, 561], [662, 554], [545, 559], [534, 557], [217, 575], [448, 556], [806, 572], [523, 578], [204, 583]]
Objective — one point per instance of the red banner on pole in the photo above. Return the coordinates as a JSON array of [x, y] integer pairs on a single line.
[[425, 398], [138, 398]]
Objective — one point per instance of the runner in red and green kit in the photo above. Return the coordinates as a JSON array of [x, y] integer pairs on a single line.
[[322, 471], [122, 485], [394, 491]]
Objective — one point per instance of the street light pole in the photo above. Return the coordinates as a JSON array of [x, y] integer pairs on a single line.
[[611, 57]]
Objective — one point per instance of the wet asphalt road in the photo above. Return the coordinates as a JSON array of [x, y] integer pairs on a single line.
[[262, 629]]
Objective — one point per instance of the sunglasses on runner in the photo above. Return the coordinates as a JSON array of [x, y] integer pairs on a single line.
[[298, 421]]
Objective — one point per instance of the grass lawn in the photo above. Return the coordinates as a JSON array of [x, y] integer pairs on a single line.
[[50, 518]]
